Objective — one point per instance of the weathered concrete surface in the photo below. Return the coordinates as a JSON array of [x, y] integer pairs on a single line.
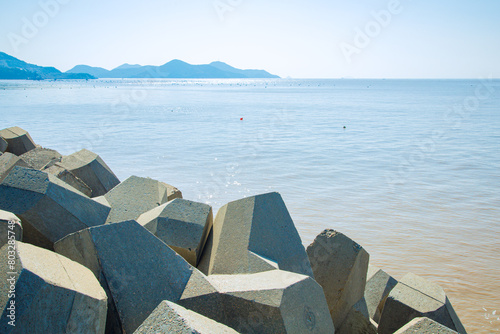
[[137, 195], [19, 140], [3, 145], [10, 227], [181, 224], [137, 269], [424, 326], [39, 157], [340, 266], [65, 175], [52, 293], [9, 161], [92, 170], [252, 235], [378, 286], [414, 297], [267, 302], [48, 207], [357, 321], [169, 317]]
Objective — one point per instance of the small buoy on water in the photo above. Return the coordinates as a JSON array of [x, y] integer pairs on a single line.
[[241, 119], [344, 126]]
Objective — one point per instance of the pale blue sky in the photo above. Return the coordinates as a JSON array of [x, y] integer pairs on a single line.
[[301, 39]]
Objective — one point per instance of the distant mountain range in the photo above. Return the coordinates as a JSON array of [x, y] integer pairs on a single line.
[[13, 68]]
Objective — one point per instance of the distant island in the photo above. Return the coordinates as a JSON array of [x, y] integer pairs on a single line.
[[13, 68]]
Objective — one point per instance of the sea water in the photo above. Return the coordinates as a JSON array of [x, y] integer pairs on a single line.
[[409, 169]]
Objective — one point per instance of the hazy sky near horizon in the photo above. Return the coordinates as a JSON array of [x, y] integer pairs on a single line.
[[301, 39]]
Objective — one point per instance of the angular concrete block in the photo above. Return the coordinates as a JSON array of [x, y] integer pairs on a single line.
[[274, 301], [378, 286], [50, 293], [169, 317], [48, 207], [39, 157], [357, 321], [137, 270], [9, 161], [137, 195], [92, 170], [65, 175], [340, 266], [3, 145], [181, 224], [252, 235], [415, 297], [19, 141], [10, 227], [424, 326]]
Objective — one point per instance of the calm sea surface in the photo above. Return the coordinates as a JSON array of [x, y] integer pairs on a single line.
[[414, 176]]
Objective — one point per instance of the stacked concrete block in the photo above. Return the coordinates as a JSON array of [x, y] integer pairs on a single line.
[[252, 235], [415, 297], [3, 145], [49, 208], [169, 317], [181, 224], [92, 170], [357, 321], [137, 195], [43, 292], [39, 157], [340, 266], [378, 286], [65, 175], [18, 140], [424, 326], [137, 269], [9, 161], [10, 227]]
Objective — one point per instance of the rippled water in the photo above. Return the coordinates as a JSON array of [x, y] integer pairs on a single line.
[[414, 176]]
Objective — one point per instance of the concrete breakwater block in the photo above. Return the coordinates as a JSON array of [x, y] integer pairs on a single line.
[[3, 145], [9, 161], [137, 270], [49, 208], [137, 195], [252, 235], [414, 297], [169, 317], [357, 320], [378, 286], [49, 293], [181, 224], [10, 227], [340, 266], [65, 175], [424, 326], [39, 157], [18, 140], [92, 170]]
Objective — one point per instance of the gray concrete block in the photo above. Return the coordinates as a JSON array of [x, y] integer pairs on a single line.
[[49, 208], [9, 161], [415, 297], [19, 140], [424, 326], [39, 157], [52, 294], [252, 235], [274, 301], [92, 170], [137, 195], [3, 145], [65, 175], [137, 269], [169, 317], [378, 286], [357, 320], [10, 227], [340, 266], [183, 225]]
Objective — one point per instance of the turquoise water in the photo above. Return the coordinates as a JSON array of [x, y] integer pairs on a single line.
[[414, 176]]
